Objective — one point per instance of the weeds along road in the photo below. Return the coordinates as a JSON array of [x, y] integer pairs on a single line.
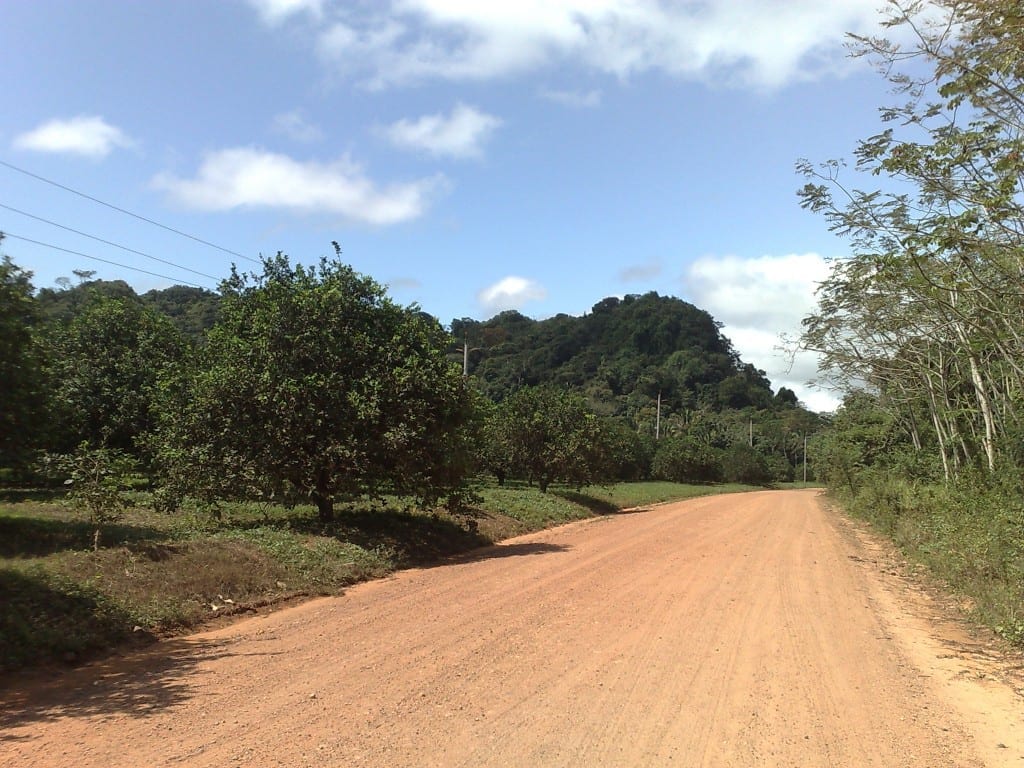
[[742, 630]]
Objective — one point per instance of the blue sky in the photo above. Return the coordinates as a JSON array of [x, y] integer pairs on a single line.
[[475, 156]]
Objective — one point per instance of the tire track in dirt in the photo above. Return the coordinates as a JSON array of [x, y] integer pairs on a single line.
[[726, 631]]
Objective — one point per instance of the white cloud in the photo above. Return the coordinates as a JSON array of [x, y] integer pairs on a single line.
[[295, 126], [744, 42], [273, 12], [574, 99], [86, 135], [511, 293], [759, 301], [247, 177], [460, 134]]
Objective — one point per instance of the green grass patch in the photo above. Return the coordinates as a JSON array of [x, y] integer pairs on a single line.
[[628, 495]]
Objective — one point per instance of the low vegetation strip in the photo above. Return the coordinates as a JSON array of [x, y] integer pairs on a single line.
[[969, 534], [158, 574]]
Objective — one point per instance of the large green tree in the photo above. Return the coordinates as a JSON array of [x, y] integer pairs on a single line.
[[547, 434], [314, 382], [104, 365]]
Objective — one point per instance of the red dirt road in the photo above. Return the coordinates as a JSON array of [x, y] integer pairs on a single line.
[[742, 630]]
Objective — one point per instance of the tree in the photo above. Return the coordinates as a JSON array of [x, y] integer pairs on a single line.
[[314, 383], [547, 434], [927, 313], [104, 365], [96, 480], [863, 435], [21, 417], [192, 310], [743, 464], [682, 459]]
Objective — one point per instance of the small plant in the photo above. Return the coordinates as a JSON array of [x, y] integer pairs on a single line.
[[97, 482]]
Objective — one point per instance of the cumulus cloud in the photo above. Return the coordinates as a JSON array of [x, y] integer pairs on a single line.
[[460, 134], [86, 135], [273, 12], [760, 301], [574, 99], [511, 293], [295, 126], [745, 42], [252, 178]]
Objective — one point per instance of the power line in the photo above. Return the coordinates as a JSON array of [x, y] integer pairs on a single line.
[[97, 258], [127, 213], [106, 242]]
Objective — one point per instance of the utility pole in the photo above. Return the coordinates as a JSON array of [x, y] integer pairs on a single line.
[[750, 439], [805, 457]]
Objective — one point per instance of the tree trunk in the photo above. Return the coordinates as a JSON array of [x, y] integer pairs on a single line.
[[323, 497], [325, 506]]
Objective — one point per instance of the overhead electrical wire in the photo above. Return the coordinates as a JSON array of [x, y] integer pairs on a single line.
[[97, 258], [106, 242], [127, 213]]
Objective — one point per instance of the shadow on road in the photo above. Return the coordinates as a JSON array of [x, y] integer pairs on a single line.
[[506, 550], [137, 686]]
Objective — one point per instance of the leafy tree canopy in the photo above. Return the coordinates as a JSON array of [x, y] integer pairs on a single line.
[[313, 381], [103, 369]]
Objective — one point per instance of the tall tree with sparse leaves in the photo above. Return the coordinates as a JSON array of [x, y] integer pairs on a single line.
[[929, 310]]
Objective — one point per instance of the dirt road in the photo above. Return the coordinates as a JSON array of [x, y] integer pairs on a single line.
[[744, 630]]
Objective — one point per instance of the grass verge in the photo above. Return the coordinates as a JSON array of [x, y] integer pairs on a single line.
[[970, 534], [158, 574]]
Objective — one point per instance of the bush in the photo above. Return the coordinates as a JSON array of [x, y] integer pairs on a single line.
[[684, 460], [743, 464]]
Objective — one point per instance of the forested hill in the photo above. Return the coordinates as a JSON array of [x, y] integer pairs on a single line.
[[192, 310], [621, 355]]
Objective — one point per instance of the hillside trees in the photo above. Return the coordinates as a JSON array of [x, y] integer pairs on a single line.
[[314, 383], [638, 344], [22, 413], [929, 310]]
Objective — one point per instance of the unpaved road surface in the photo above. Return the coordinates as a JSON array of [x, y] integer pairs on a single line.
[[743, 630]]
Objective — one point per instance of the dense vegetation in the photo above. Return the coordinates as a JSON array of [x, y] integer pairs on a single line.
[[310, 385], [924, 323]]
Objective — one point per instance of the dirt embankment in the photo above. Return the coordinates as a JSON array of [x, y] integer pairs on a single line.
[[742, 630]]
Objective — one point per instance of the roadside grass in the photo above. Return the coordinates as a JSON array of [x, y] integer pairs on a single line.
[[970, 534], [157, 574], [796, 485], [629, 495]]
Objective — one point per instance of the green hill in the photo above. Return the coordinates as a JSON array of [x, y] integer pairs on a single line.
[[621, 355]]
